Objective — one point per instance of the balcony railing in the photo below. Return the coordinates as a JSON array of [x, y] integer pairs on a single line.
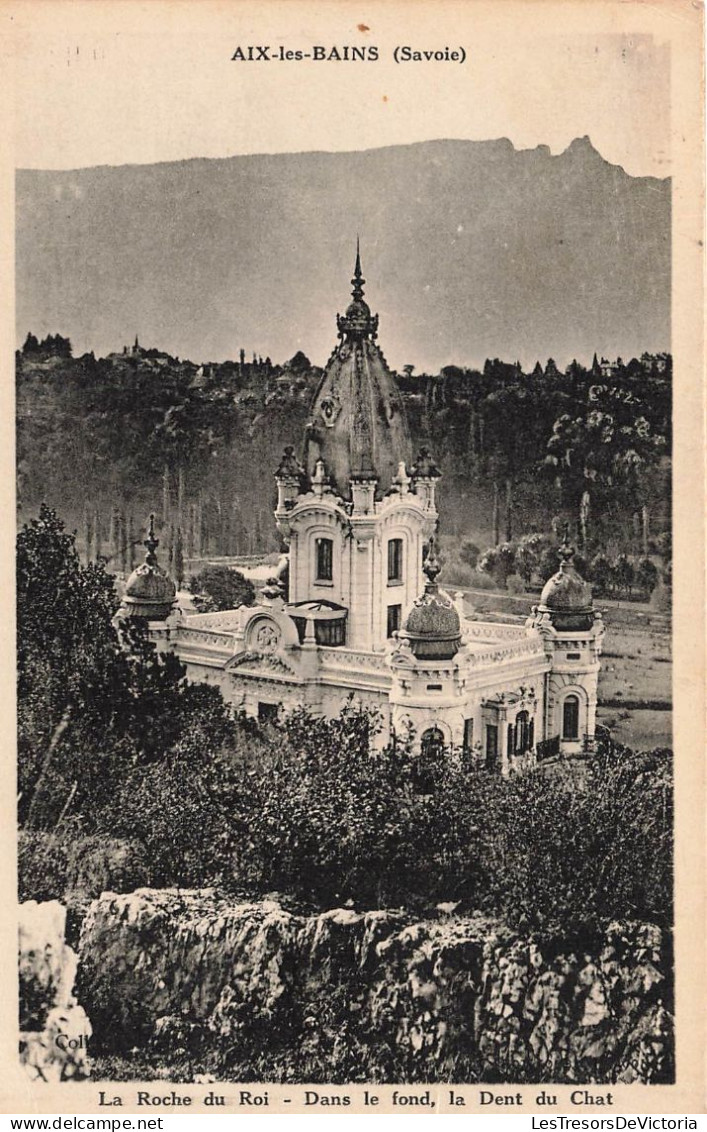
[[548, 748]]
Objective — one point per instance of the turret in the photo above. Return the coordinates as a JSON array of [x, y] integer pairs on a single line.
[[432, 625], [353, 517], [572, 631], [149, 591]]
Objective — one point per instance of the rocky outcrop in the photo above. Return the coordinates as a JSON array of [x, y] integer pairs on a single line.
[[346, 995], [54, 1029]]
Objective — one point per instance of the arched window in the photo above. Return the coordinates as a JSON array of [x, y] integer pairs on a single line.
[[324, 548], [522, 733], [432, 741], [428, 762], [395, 560], [570, 718]]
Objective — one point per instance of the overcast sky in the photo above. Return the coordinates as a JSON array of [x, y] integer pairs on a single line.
[[138, 83]]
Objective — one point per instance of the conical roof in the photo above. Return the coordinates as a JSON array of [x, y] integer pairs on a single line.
[[358, 425]]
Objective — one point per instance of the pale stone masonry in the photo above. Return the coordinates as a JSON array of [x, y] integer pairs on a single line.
[[356, 609]]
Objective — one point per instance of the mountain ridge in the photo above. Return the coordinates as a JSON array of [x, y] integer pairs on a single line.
[[472, 250], [540, 148]]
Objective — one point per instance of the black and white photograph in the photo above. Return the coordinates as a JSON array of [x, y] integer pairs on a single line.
[[344, 427]]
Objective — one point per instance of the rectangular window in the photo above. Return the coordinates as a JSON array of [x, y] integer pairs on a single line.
[[394, 619], [325, 560], [395, 560], [267, 713], [491, 746], [468, 736]]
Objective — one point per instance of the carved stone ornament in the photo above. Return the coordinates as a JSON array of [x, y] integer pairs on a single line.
[[267, 638], [330, 407]]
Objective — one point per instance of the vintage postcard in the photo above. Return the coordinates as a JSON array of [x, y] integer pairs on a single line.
[[354, 670]]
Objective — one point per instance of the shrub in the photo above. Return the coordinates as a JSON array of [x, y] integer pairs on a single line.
[[581, 565], [647, 575], [482, 581], [529, 554], [488, 562], [469, 553], [549, 562], [660, 599], [623, 574], [600, 573], [314, 812], [505, 562], [98, 864], [498, 562], [42, 866], [457, 574], [515, 584], [219, 587]]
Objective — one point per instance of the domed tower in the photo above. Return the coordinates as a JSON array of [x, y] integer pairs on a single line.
[[354, 514], [572, 631], [428, 693], [432, 625], [149, 591]]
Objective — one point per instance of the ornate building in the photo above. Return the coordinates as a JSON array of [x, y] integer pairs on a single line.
[[361, 613]]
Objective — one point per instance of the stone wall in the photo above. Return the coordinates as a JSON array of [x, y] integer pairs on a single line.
[[54, 1029], [346, 996]]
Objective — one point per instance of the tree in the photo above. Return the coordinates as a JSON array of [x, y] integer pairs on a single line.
[[298, 363], [179, 558], [529, 553], [647, 575], [93, 699], [549, 562], [600, 572], [469, 553], [624, 573], [220, 587], [68, 660]]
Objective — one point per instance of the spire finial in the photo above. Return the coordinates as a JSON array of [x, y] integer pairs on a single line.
[[565, 551], [151, 543], [358, 279], [431, 566]]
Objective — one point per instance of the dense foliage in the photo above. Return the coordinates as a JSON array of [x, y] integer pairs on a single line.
[[317, 815], [117, 749], [200, 444], [219, 587], [93, 701]]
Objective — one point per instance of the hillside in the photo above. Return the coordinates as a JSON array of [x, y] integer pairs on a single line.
[[140, 431]]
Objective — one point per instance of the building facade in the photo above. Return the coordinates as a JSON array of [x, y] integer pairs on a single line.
[[356, 609]]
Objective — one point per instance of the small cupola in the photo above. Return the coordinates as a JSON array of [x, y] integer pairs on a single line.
[[566, 598], [432, 625], [149, 591]]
